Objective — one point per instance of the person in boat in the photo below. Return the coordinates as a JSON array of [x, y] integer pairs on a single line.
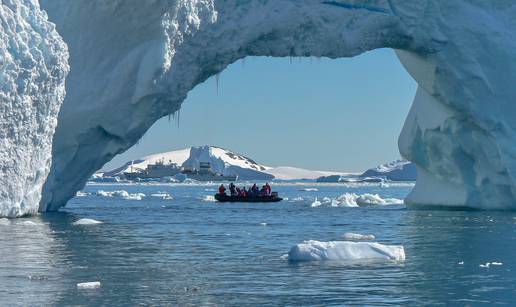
[[222, 190], [244, 192], [268, 188], [255, 190], [232, 189], [263, 191]]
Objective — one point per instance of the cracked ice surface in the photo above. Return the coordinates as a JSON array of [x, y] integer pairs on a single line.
[[134, 63], [33, 66]]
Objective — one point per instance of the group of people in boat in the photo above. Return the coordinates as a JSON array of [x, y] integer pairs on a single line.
[[253, 191]]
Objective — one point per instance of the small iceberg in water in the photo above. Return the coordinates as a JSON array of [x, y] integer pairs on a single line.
[[209, 198], [89, 285], [86, 222], [121, 194], [343, 251]]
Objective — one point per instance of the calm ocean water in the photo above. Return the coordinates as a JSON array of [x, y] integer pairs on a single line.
[[189, 250]]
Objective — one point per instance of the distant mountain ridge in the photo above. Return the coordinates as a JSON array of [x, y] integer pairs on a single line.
[[399, 170], [222, 161]]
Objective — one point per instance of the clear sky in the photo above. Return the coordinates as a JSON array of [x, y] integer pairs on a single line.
[[320, 114]]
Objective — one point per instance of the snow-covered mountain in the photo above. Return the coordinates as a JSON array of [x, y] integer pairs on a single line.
[[399, 170], [222, 161]]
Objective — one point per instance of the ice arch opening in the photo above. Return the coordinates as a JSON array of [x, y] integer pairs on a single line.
[[318, 114], [132, 64]]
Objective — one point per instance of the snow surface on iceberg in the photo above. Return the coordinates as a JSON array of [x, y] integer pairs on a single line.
[[33, 67], [134, 63]]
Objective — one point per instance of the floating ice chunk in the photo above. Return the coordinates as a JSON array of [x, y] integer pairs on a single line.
[[357, 237], [297, 199], [461, 263], [355, 200], [343, 250], [375, 199], [309, 190], [89, 285], [209, 198], [485, 265], [86, 222], [162, 195], [263, 224], [5, 222], [346, 200], [316, 203], [81, 194], [496, 263], [121, 194]]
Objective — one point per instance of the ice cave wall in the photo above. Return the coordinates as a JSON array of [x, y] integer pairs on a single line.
[[33, 67], [134, 62]]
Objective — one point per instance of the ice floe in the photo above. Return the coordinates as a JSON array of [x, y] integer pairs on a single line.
[[209, 198], [343, 250], [81, 194], [309, 190], [89, 285], [356, 200], [357, 237], [121, 194], [86, 222], [488, 264], [162, 195]]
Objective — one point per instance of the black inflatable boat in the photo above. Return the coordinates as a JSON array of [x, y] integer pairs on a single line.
[[223, 198]]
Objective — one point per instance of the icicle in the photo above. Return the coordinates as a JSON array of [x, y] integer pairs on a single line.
[[217, 79]]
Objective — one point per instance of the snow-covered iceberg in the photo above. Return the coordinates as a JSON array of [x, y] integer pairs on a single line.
[[33, 67], [345, 251], [133, 64]]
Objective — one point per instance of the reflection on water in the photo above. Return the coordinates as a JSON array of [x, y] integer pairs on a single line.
[[188, 251], [31, 265], [447, 249]]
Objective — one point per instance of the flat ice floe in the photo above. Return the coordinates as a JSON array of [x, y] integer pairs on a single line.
[[209, 198], [86, 222], [121, 194], [356, 200], [81, 194], [162, 195], [343, 251], [357, 237], [89, 285]]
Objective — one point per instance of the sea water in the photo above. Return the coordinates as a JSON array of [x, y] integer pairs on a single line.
[[159, 244]]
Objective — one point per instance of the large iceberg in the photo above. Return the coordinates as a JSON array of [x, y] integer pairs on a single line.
[[33, 67], [133, 64]]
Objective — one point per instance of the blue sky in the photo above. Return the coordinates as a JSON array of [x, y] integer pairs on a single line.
[[320, 114]]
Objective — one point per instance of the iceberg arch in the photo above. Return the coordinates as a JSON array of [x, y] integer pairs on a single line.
[[133, 64], [33, 67]]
